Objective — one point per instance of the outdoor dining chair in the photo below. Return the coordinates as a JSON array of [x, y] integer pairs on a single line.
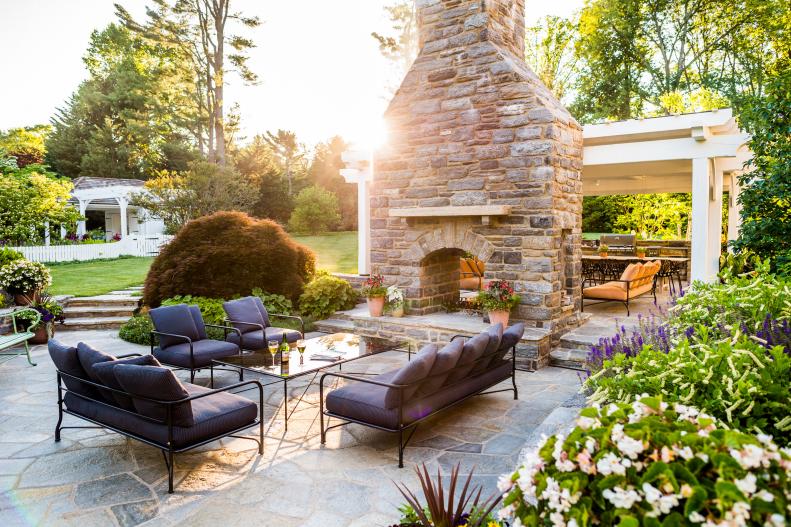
[[254, 327]]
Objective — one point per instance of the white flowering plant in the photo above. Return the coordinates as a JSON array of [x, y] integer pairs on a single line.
[[395, 297], [650, 464], [24, 276]]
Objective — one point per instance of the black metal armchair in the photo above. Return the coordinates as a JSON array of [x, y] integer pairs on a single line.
[[180, 339], [253, 324]]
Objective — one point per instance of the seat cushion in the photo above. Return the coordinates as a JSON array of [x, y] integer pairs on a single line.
[[445, 361], [214, 415], [177, 320], [251, 340], [366, 402], [411, 373], [157, 383], [244, 310], [273, 333], [104, 371], [608, 291], [203, 352], [66, 360], [473, 350]]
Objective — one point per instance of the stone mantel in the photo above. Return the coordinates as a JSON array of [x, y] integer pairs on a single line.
[[484, 211]]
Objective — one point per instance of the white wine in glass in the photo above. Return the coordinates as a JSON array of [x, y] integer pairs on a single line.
[[301, 348], [273, 347]]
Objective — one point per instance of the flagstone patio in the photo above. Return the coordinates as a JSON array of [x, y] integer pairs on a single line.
[[94, 477]]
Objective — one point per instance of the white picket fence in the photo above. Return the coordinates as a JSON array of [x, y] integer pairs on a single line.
[[132, 245]]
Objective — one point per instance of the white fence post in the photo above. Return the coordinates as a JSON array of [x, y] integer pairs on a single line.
[[132, 245]]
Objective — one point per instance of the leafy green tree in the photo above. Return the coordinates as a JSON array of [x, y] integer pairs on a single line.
[[600, 213], [128, 120], [203, 33], [257, 164], [26, 145], [766, 186], [204, 189], [325, 170], [30, 199], [315, 211], [289, 153], [550, 53], [655, 215]]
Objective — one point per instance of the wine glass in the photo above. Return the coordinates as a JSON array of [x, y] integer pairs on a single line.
[[301, 348], [273, 347]]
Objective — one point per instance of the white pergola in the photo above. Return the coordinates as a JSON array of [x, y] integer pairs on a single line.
[[701, 153]]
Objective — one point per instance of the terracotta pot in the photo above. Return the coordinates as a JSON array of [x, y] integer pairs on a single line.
[[25, 299], [641, 256], [500, 316], [43, 333], [397, 312], [603, 255], [376, 306]]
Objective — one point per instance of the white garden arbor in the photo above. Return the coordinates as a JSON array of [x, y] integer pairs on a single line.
[[699, 153]]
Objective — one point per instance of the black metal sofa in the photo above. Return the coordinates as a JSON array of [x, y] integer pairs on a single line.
[[136, 397], [433, 381]]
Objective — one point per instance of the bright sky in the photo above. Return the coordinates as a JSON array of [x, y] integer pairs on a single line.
[[321, 71]]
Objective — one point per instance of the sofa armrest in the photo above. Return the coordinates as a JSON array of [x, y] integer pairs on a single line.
[[129, 355], [292, 317], [454, 337], [163, 334]]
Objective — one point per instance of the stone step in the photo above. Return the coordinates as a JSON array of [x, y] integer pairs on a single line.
[[98, 311], [82, 324], [568, 358], [578, 342], [335, 325], [104, 301]]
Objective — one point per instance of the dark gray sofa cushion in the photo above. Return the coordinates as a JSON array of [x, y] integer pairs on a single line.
[[89, 357], [411, 374], [104, 371], [446, 360], [262, 311], [365, 402], [154, 383], [213, 415], [197, 319], [177, 320], [473, 350], [511, 338], [244, 310], [203, 351], [255, 340], [66, 360], [495, 333]]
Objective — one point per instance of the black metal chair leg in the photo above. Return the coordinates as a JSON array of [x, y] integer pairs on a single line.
[[170, 472], [285, 402], [401, 448], [60, 420]]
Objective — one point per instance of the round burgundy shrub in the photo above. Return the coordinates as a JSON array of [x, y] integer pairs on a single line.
[[229, 254]]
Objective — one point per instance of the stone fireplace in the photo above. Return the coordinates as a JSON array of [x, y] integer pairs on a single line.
[[482, 160]]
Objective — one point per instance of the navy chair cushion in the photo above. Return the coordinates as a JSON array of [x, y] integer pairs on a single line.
[[106, 374], [154, 383], [214, 415], [203, 352], [273, 333], [473, 350], [90, 356], [411, 373], [511, 338], [262, 310], [200, 325], [177, 320], [495, 334], [446, 360], [66, 360], [244, 310]]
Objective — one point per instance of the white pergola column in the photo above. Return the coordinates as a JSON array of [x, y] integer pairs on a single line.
[[81, 224], [734, 208], [360, 171], [123, 203], [706, 219], [46, 234], [63, 232]]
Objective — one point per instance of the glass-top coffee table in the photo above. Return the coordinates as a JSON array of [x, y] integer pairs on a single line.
[[320, 353]]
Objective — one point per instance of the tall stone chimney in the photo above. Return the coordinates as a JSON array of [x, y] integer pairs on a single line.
[[482, 160]]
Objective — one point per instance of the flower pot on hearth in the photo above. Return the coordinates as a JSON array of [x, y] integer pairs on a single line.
[[25, 299], [376, 306], [43, 333], [499, 316], [397, 312], [603, 255]]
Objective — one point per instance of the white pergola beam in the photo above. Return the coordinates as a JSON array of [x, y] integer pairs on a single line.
[[659, 125], [664, 150]]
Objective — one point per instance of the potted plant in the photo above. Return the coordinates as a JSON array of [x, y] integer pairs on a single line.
[[395, 301], [497, 300], [375, 292], [603, 249], [43, 326], [640, 252], [24, 280]]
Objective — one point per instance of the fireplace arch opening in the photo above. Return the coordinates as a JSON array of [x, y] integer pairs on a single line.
[[440, 281]]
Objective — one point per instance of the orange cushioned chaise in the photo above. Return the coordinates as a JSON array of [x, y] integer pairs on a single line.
[[472, 271], [636, 280]]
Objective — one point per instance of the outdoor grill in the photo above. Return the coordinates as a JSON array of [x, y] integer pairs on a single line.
[[619, 244]]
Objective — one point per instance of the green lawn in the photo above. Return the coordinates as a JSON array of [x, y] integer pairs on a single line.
[[336, 252], [97, 277]]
